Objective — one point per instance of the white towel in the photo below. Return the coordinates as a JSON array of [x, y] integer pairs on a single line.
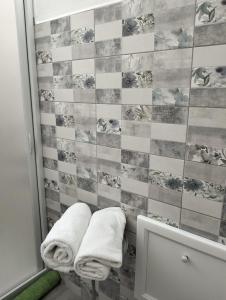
[[101, 247], [61, 245]]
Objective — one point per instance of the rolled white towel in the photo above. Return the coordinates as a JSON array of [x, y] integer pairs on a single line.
[[61, 245], [101, 247]]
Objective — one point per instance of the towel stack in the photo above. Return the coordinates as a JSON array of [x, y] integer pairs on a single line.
[[89, 245]]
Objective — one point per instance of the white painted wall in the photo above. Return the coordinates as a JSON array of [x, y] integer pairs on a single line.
[[52, 9]]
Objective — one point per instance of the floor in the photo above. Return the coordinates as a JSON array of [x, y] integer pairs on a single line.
[[61, 292]]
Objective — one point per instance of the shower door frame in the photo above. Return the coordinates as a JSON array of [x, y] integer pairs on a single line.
[[26, 46]]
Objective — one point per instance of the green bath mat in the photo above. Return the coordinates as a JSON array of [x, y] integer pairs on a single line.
[[40, 287]]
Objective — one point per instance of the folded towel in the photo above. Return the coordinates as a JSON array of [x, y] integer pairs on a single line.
[[61, 245], [101, 247]]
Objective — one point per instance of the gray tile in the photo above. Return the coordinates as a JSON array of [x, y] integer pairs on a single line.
[[214, 97], [138, 159], [137, 62], [108, 13], [111, 126], [82, 35], [138, 25], [108, 64], [136, 128], [47, 106], [165, 187], [137, 113], [131, 8], [110, 180], [85, 133], [174, 96], [62, 68], [210, 34], [43, 43], [81, 51], [174, 26], [134, 200], [83, 81], [109, 47], [109, 140], [60, 25], [53, 195], [46, 95], [62, 82], [87, 184], [169, 114], [167, 148], [108, 96], [211, 77], [62, 39], [43, 56], [137, 173], [137, 79], [105, 202], [50, 163], [84, 95]]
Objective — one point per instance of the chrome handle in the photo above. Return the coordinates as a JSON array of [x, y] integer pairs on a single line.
[[185, 259]]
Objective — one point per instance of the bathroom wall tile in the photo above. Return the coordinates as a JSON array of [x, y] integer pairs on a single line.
[[206, 145], [109, 180], [50, 163], [137, 96], [65, 95], [200, 224], [108, 80], [53, 195], [49, 152], [207, 117], [213, 56], [134, 186], [62, 68], [108, 111], [210, 34], [134, 200], [138, 159], [108, 153], [45, 83], [42, 29], [111, 126], [110, 167], [108, 64], [62, 39], [141, 113], [84, 95], [136, 128], [43, 43], [108, 47], [67, 200], [133, 172], [83, 81], [209, 77], [84, 149], [45, 70], [137, 62], [174, 24], [68, 184], [109, 140], [62, 82], [87, 197], [47, 119], [131, 8], [163, 212], [167, 148], [108, 96], [109, 192], [60, 25], [214, 97], [110, 30], [137, 79], [169, 114], [108, 13], [81, 51], [67, 168], [173, 96], [135, 143], [65, 133], [83, 66], [138, 25], [168, 132], [46, 95], [47, 107], [138, 43], [85, 133], [172, 69], [203, 197], [44, 56], [210, 12], [87, 184], [83, 19]]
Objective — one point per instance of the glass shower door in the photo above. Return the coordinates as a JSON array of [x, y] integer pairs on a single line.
[[20, 233]]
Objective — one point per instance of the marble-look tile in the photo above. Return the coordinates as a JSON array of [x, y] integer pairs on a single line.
[[108, 13], [109, 192], [206, 97], [167, 148], [174, 25], [134, 186], [174, 96], [42, 29], [200, 224], [105, 202], [50, 163], [108, 96], [169, 114], [53, 195], [63, 95], [82, 35], [87, 184], [163, 212], [110, 167], [134, 200], [84, 95], [85, 133], [137, 62], [51, 185], [137, 79], [62, 68], [108, 64], [60, 25], [133, 172], [62, 54], [109, 140], [45, 83], [210, 34], [43, 43], [47, 107], [81, 51], [62, 82], [172, 68], [108, 47], [136, 128], [138, 159], [62, 39], [134, 8]]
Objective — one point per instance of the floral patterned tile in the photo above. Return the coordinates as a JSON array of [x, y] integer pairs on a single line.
[[210, 12], [51, 184], [174, 96], [110, 180], [137, 113], [137, 79], [82, 35], [43, 56], [84, 81], [210, 77], [138, 25], [109, 126], [46, 95]]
